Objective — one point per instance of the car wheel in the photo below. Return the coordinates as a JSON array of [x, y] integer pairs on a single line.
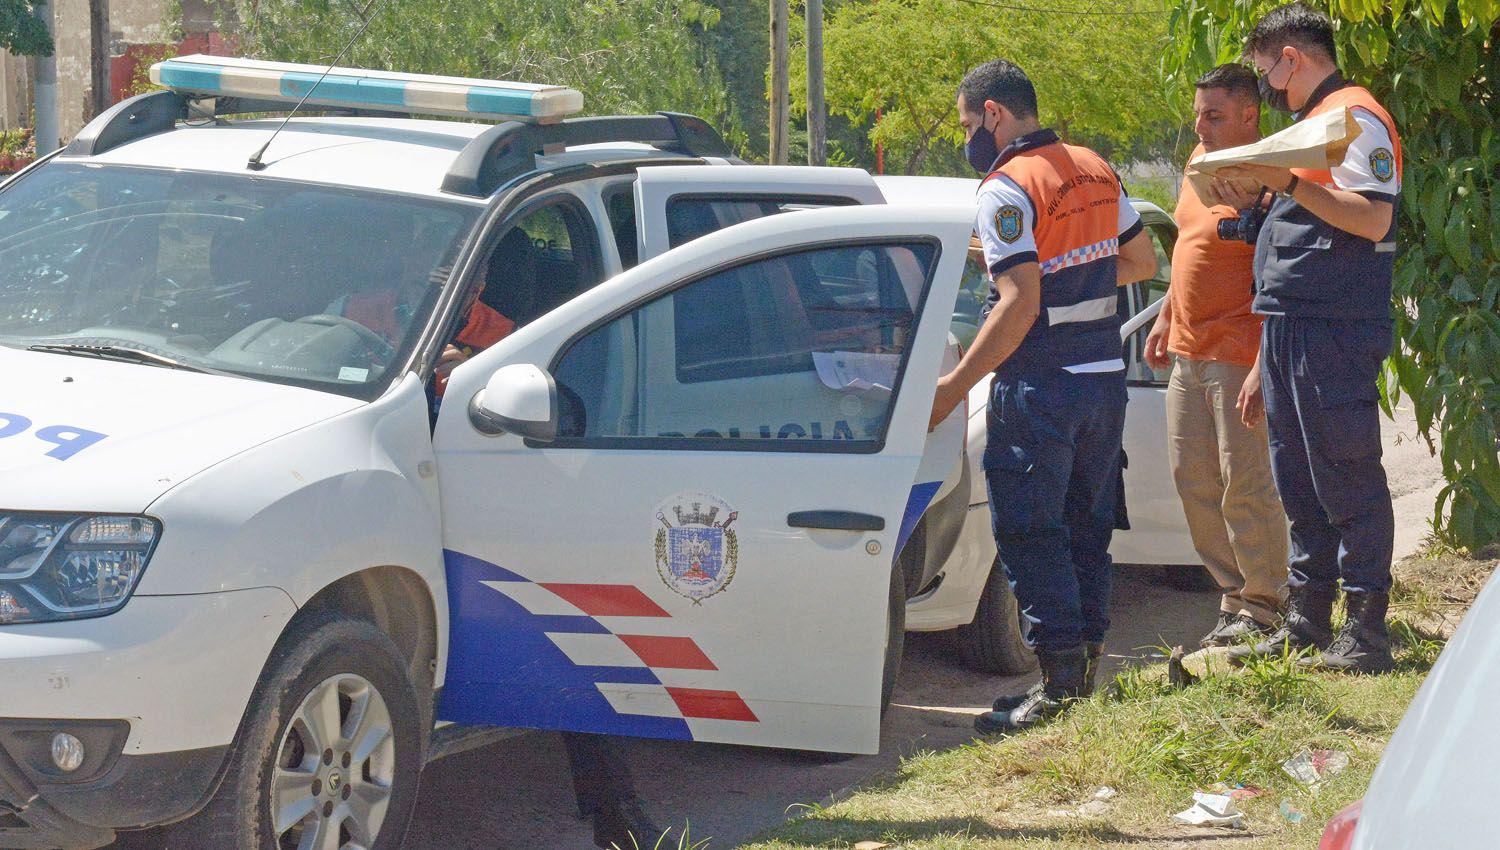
[[995, 642], [328, 755]]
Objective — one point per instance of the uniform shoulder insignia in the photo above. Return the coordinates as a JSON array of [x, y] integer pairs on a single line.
[[1008, 223], [1383, 165]]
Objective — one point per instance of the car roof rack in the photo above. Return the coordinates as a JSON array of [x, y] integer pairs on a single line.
[[508, 150]]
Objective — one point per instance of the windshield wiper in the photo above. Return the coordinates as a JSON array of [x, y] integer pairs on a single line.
[[123, 354]]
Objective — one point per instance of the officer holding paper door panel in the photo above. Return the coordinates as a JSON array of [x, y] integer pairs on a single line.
[[1323, 263]]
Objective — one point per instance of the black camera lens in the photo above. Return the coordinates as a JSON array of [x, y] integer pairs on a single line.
[[1229, 229]]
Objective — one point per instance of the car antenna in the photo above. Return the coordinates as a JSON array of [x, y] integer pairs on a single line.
[[255, 163]]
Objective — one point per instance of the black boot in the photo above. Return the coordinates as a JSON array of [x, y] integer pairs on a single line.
[[624, 825], [1363, 644], [1309, 612], [1092, 653], [1063, 675]]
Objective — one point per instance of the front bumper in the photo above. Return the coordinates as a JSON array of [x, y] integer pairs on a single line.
[[170, 675], [135, 791]]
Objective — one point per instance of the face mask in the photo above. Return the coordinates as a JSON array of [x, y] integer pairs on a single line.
[[1271, 96], [980, 149]]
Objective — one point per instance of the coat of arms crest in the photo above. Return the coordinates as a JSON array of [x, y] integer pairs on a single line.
[[696, 551], [1008, 223]]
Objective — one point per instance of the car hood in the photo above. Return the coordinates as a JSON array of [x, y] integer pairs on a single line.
[[78, 434]]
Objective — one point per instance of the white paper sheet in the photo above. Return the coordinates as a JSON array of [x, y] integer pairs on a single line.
[[856, 370], [1317, 142]]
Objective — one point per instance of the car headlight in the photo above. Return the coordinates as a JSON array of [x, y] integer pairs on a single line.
[[69, 566]]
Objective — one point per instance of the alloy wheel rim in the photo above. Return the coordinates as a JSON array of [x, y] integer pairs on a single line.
[[335, 768]]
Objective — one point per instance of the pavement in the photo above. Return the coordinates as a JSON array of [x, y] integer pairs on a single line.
[[518, 794]]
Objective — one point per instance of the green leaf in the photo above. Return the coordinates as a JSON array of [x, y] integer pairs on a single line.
[[1435, 206], [1461, 291], [1457, 236]]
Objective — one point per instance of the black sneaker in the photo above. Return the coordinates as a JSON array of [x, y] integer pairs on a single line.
[[1215, 636], [1245, 629], [1062, 684], [1092, 653]]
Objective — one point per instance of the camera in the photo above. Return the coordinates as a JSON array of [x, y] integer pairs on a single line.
[[1246, 228]]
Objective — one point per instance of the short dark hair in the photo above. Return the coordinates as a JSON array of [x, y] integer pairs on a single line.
[[1003, 82], [1296, 25], [1233, 78]]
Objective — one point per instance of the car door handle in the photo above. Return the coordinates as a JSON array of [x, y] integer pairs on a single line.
[[841, 520]]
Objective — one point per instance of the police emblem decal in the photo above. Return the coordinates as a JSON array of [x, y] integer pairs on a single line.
[[697, 552], [1008, 223], [1383, 165]]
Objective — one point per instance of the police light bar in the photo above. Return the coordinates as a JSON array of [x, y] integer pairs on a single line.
[[223, 76]]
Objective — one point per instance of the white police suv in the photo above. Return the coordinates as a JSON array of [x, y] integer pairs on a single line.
[[255, 545]]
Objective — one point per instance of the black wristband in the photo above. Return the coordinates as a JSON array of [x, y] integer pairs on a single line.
[[1292, 186]]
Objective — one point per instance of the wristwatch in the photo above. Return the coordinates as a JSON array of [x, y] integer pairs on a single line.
[[1292, 186]]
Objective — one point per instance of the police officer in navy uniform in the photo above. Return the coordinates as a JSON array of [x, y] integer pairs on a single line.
[[1323, 262], [1059, 237]]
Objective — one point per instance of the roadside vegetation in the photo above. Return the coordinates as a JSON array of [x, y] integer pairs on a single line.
[[1155, 743]]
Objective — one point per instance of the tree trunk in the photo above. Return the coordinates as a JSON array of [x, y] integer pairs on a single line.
[[99, 94], [780, 82], [817, 116]]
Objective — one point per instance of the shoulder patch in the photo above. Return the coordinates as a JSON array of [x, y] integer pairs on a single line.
[[1008, 223], [1383, 165]]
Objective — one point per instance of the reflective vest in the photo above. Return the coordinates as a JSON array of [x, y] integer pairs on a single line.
[[1075, 204], [1307, 267]]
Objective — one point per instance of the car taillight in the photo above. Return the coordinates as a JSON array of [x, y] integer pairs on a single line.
[[1339, 834]]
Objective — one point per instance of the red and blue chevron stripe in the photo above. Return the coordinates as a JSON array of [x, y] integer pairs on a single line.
[[575, 657]]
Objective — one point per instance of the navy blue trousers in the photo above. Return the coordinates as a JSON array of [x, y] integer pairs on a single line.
[[1322, 409], [1053, 463]]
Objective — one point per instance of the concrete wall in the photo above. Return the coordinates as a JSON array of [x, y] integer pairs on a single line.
[[131, 22], [15, 91]]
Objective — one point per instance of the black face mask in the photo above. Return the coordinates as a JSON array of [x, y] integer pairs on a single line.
[[1271, 96], [980, 149]]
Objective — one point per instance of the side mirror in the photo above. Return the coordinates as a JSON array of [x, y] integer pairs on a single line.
[[519, 399]]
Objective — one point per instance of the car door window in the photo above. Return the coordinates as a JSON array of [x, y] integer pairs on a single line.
[[692, 216], [968, 310], [544, 259], [1143, 295], [619, 204], [800, 351]]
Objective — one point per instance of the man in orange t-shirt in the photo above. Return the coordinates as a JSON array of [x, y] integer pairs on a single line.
[[1216, 432]]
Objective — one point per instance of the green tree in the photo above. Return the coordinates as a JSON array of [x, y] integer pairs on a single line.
[[624, 55], [1434, 64], [905, 58], [20, 31]]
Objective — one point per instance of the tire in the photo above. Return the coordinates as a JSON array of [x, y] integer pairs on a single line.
[[895, 636], [995, 641], [357, 670]]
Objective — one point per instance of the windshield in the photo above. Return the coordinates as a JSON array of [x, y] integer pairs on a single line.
[[312, 285]]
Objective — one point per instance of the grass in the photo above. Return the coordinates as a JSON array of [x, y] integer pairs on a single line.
[[1155, 745]]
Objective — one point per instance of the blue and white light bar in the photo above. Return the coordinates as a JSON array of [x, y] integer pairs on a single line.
[[223, 76]]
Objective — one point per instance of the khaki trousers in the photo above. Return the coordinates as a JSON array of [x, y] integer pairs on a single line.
[[1223, 474]]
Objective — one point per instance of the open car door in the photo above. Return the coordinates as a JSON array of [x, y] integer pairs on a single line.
[[696, 540], [676, 204]]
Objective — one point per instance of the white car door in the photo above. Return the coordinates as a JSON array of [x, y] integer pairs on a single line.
[[703, 550], [1158, 528], [678, 203]]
